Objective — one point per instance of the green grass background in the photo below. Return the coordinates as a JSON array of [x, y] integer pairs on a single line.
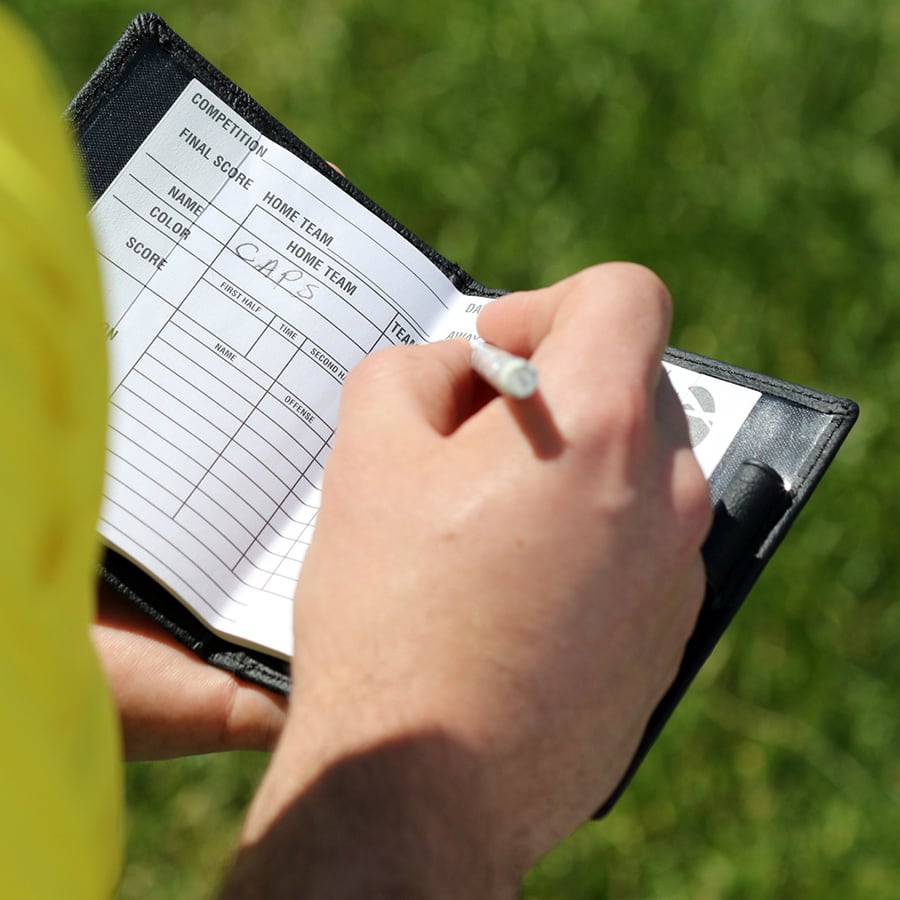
[[748, 151]]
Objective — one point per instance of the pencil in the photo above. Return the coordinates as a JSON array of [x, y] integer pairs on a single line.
[[508, 374]]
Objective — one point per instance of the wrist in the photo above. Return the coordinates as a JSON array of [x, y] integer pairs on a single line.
[[404, 817]]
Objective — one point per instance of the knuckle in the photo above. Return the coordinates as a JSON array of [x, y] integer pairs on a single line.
[[694, 503], [646, 283], [371, 371], [632, 278], [695, 590], [369, 366], [621, 420]]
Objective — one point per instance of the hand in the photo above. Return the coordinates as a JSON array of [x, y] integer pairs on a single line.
[[170, 702], [497, 595]]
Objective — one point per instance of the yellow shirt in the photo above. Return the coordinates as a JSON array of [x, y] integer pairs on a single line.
[[61, 776]]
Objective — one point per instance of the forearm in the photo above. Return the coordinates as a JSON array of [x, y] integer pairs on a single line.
[[403, 819]]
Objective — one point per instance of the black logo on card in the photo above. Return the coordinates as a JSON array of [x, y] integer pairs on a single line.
[[701, 414]]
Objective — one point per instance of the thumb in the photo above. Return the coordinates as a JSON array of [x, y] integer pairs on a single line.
[[430, 384]]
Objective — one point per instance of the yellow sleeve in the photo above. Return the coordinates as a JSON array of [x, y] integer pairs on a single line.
[[59, 757]]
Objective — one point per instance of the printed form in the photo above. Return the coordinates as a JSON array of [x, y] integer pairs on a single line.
[[241, 286]]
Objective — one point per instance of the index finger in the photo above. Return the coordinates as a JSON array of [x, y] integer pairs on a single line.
[[607, 325]]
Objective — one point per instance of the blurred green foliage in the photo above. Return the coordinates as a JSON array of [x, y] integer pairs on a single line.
[[748, 151]]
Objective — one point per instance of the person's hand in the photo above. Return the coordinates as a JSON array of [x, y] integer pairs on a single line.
[[170, 702], [497, 594]]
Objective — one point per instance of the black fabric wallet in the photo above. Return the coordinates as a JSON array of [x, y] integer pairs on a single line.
[[766, 476]]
